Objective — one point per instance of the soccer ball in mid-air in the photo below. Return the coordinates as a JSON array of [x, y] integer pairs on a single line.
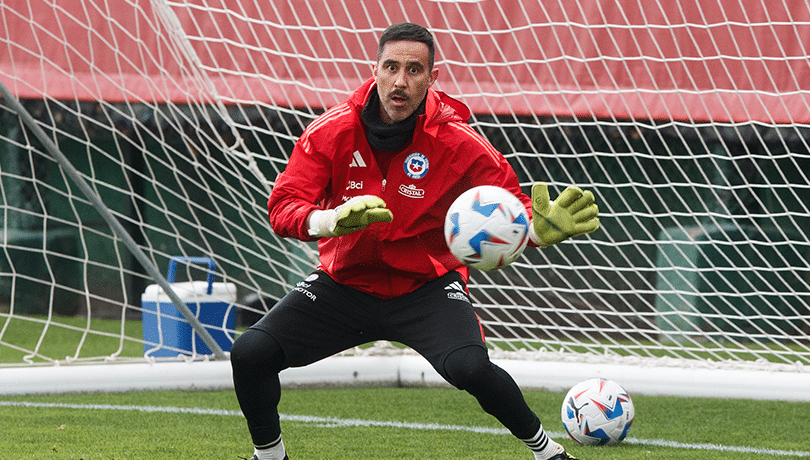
[[597, 412], [487, 227]]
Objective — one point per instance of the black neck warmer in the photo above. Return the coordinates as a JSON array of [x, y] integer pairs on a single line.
[[381, 135]]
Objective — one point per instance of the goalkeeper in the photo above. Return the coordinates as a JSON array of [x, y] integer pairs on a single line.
[[371, 180]]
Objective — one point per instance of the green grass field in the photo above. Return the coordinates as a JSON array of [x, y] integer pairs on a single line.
[[352, 424], [381, 423]]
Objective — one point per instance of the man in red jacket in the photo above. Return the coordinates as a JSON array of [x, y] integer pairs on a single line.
[[371, 180]]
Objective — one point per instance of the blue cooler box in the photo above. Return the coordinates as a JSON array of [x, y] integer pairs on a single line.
[[166, 332]]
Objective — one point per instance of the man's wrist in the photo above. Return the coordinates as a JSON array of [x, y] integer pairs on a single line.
[[318, 222], [535, 237]]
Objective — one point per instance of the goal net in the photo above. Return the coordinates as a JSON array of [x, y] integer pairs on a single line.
[[158, 127]]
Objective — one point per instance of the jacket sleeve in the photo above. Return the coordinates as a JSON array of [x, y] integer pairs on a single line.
[[299, 190]]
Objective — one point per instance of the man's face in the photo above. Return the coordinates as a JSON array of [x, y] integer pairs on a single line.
[[403, 78]]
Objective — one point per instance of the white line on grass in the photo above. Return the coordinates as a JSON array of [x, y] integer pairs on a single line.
[[341, 422]]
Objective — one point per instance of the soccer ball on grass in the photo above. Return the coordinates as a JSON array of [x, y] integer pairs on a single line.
[[597, 412], [487, 227]]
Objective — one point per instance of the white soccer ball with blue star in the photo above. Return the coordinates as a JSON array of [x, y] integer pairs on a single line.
[[597, 412], [487, 227]]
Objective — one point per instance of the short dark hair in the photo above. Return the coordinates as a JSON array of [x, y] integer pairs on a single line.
[[407, 31]]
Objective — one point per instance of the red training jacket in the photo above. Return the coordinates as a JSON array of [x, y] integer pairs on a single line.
[[332, 162]]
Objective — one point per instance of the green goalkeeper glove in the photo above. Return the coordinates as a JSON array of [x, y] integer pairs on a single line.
[[353, 215], [573, 213]]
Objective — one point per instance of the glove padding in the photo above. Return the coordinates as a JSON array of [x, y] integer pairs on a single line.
[[360, 212], [351, 216], [573, 213]]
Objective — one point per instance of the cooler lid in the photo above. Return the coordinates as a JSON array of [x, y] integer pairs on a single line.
[[192, 292]]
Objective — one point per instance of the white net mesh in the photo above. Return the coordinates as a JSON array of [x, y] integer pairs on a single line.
[[688, 120]]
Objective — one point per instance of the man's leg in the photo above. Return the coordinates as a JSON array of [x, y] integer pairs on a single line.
[[256, 359], [470, 369], [315, 320], [438, 321]]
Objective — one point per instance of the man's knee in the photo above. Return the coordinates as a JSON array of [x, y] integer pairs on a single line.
[[468, 368], [254, 349]]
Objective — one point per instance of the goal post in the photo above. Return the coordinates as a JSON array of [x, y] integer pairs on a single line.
[[689, 120]]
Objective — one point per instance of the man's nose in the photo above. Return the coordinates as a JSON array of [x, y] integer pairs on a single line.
[[400, 81]]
